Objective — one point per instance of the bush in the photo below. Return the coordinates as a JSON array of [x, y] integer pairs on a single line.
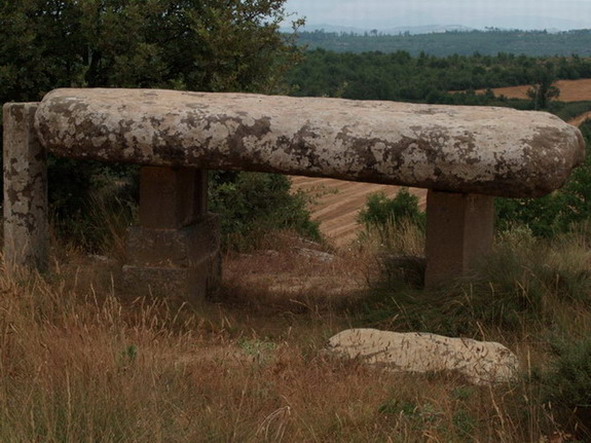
[[567, 384], [557, 212], [381, 210], [526, 284], [252, 204]]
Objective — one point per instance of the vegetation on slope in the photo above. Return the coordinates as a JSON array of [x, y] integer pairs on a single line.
[[400, 76], [489, 42], [81, 361]]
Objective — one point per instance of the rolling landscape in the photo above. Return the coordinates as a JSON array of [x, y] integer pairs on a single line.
[[85, 357], [444, 43]]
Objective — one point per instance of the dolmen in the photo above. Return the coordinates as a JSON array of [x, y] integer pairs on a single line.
[[464, 156]]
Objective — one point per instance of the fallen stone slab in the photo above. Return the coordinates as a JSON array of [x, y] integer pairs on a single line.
[[481, 150], [480, 362]]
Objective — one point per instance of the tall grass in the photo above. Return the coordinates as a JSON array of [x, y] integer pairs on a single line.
[[80, 363]]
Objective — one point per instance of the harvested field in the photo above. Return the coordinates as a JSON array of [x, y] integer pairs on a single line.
[[570, 90], [337, 203]]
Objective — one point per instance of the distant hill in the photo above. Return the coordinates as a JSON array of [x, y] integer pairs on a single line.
[[413, 30], [442, 44]]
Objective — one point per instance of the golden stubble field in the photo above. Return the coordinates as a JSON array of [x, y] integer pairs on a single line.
[[570, 90]]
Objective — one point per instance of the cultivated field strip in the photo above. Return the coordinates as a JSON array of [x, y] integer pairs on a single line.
[[570, 90], [336, 203]]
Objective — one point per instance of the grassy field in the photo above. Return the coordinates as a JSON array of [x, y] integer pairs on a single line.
[[83, 362]]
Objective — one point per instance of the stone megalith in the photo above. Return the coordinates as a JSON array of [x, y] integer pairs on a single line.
[[460, 149], [464, 155]]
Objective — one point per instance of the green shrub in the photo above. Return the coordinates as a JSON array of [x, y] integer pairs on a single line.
[[557, 212], [381, 210], [567, 384], [252, 204], [518, 287]]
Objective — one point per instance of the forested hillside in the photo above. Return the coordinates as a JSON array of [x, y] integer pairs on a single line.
[[426, 78], [490, 42]]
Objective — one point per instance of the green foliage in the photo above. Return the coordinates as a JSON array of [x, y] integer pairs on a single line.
[[380, 209], [260, 350], [567, 384], [252, 204], [519, 286], [543, 91], [465, 423], [557, 212], [569, 110], [427, 78], [442, 44], [202, 45], [205, 45], [397, 407]]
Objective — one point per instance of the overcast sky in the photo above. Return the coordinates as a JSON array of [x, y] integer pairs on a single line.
[[382, 14]]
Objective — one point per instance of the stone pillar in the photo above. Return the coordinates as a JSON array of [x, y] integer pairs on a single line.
[[176, 247], [459, 233], [26, 232]]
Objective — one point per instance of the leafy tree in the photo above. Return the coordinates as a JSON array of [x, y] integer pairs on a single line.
[[207, 45], [543, 89], [203, 45]]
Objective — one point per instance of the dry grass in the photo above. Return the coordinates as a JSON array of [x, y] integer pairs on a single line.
[[80, 362]]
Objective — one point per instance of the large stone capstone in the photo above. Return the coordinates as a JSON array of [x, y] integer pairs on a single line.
[[481, 150]]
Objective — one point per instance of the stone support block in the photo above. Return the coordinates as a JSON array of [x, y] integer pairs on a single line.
[[173, 247], [176, 248], [183, 262], [26, 237], [459, 233], [172, 197]]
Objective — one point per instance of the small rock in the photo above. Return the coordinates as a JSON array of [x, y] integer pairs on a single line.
[[319, 255], [98, 257], [481, 362]]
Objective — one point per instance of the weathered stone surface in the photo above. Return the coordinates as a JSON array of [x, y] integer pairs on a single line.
[[480, 150], [185, 261], [173, 247], [480, 362], [172, 197], [460, 231], [26, 238], [171, 282]]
